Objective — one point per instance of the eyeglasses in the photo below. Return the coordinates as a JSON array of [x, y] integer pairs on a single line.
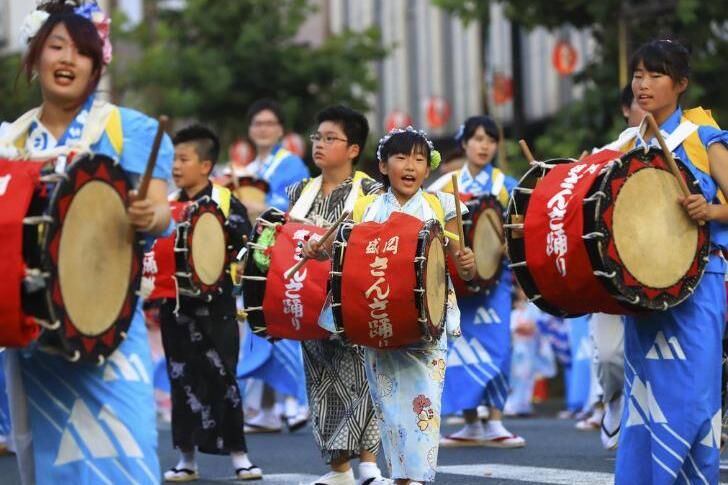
[[327, 139], [264, 123]]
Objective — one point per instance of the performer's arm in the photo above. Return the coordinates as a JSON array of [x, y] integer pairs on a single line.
[[151, 215], [697, 207], [465, 259]]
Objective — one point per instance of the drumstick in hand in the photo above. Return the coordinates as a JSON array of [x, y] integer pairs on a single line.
[[458, 212], [526, 151], [669, 158], [152, 162], [327, 235]]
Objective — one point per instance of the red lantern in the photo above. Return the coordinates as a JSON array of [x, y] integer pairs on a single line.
[[241, 153], [437, 110], [502, 88], [564, 58], [293, 142], [397, 119]]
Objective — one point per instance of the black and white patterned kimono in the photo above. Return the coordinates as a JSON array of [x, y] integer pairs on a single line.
[[201, 344], [341, 407]]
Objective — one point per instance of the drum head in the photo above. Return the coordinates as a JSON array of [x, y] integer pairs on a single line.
[[435, 281], [250, 193], [94, 256], [655, 238], [208, 248], [487, 244]]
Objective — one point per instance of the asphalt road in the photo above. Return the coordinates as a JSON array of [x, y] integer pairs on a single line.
[[556, 454]]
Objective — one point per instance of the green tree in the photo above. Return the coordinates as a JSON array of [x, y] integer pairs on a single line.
[[17, 97], [596, 118], [212, 59]]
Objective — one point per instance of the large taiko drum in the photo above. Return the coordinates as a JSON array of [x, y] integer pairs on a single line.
[[277, 307], [77, 273], [483, 231], [605, 234], [389, 282], [194, 261], [202, 255]]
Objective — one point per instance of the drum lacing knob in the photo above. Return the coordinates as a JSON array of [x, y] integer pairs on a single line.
[[631, 301], [605, 275], [544, 165], [180, 225], [593, 235], [520, 264], [253, 309], [37, 220], [254, 278], [513, 226], [419, 259], [335, 273], [75, 357], [257, 246], [180, 250], [534, 298], [100, 360], [48, 325], [696, 183], [335, 305], [419, 290], [593, 198], [665, 306], [184, 275], [34, 273], [523, 190]]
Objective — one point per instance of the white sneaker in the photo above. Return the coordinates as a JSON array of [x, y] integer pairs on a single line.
[[336, 478]]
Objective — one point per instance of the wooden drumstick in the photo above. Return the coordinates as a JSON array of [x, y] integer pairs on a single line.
[[668, 154], [669, 158], [526, 151], [458, 212], [152, 162], [327, 235]]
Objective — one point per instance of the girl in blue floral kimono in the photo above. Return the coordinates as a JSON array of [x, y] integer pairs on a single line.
[[672, 415], [72, 422], [406, 383]]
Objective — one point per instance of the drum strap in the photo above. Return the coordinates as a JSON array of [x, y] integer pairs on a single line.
[[280, 154], [221, 196]]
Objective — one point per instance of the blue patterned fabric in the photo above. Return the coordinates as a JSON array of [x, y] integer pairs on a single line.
[[280, 169], [4, 408], [578, 374], [672, 416], [479, 363], [93, 424]]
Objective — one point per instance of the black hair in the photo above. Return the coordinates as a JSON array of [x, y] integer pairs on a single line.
[[265, 104], [354, 124], [667, 57], [83, 34], [627, 96], [206, 143], [472, 124], [405, 143]]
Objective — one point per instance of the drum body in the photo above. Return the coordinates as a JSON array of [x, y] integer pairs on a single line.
[[278, 308], [483, 230], [605, 235], [88, 261], [389, 282], [201, 252]]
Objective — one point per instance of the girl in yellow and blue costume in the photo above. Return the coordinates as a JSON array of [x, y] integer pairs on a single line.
[[406, 383], [481, 360], [671, 424], [78, 423]]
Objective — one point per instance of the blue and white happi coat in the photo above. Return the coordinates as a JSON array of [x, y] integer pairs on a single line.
[[479, 362], [671, 423], [89, 424]]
